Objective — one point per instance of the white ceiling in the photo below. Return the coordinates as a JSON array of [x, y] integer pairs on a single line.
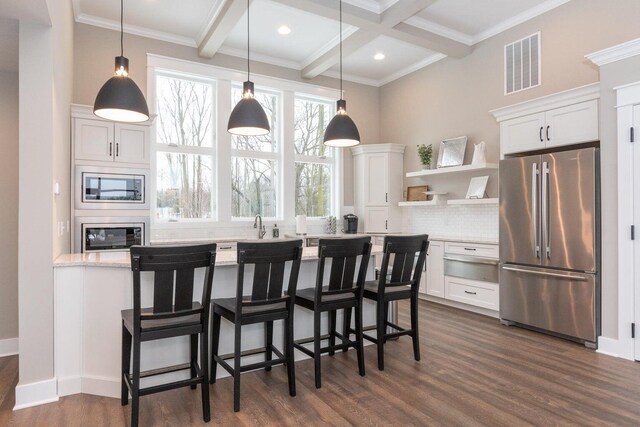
[[411, 33]]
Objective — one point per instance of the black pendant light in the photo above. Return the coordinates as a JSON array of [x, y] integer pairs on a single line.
[[341, 131], [248, 118], [120, 98]]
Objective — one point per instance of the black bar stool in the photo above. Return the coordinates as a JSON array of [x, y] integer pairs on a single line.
[[170, 316], [265, 304], [340, 293], [402, 284]]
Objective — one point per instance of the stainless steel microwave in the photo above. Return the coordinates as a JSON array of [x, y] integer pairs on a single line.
[[111, 188], [108, 234]]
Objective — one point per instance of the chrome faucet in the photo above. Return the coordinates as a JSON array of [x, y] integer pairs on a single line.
[[257, 223]]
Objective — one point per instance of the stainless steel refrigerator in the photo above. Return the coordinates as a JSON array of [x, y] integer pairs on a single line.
[[549, 243]]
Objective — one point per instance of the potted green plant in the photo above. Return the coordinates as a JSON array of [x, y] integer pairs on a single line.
[[425, 152]]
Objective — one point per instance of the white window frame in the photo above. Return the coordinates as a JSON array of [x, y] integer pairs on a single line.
[[224, 79], [331, 161]]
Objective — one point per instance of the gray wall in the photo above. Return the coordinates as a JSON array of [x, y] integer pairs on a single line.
[[453, 97], [96, 47], [9, 197]]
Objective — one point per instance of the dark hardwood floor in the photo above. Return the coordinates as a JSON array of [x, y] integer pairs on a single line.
[[473, 372]]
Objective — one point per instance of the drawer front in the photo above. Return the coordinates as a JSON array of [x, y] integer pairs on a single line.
[[472, 292], [473, 249]]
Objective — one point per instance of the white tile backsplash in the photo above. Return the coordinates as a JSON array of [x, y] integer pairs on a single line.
[[453, 221]]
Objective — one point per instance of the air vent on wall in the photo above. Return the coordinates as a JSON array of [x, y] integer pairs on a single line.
[[522, 64]]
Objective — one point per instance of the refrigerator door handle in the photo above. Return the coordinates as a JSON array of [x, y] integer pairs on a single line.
[[545, 209], [546, 273], [534, 208]]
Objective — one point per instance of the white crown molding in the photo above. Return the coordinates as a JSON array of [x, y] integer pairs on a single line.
[[135, 30], [267, 59], [378, 148], [440, 30], [213, 15], [352, 78], [415, 67], [556, 100], [335, 41], [615, 53], [518, 19]]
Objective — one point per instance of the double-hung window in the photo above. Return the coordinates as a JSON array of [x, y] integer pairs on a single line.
[[255, 163], [185, 148], [314, 161]]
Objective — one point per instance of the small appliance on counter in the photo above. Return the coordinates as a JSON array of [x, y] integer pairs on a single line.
[[350, 224], [301, 225]]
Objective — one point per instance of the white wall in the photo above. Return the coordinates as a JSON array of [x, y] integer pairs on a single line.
[[453, 97], [9, 212]]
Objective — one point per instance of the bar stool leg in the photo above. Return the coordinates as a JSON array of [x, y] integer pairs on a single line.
[[380, 326], [204, 361], [359, 339], [268, 343], [316, 346], [236, 367], [126, 365], [194, 357], [414, 325], [291, 363], [215, 339], [135, 386], [332, 332], [346, 327]]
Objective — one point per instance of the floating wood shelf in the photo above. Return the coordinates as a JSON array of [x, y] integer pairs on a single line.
[[452, 169], [487, 201], [423, 203]]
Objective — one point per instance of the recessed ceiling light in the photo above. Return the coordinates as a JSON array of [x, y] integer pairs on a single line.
[[378, 56], [284, 30]]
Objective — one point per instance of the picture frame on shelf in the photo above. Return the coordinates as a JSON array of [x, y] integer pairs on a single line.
[[477, 187], [451, 152]]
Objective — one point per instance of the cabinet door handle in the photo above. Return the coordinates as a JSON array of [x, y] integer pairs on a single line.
[[110, 149], [117, 149], [541, 140], [386, 224], [470, 293], [386, 197], [548, 133]]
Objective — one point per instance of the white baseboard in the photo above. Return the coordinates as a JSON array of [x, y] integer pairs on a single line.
[[69, 385], [101, 386], [8, 347], [34, 394], [613, 347]]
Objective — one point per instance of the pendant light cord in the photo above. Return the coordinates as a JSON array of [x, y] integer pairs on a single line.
[[248, 25], [341, 49], [121, 28]]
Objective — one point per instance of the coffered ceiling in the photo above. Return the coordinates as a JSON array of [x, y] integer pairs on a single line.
[[410, 34]]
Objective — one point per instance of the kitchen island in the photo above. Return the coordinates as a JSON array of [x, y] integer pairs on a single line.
[[90, 290]]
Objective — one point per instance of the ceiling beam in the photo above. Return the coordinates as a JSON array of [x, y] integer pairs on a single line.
[[390, 23], [220, 26], [328, 59]]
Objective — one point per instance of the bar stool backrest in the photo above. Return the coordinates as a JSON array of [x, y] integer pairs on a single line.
[[173, 268], [269, 260], [406, 270], [343, 254]]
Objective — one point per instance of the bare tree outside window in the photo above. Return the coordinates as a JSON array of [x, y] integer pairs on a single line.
[[313, 164], [254, 177], [185, 136]]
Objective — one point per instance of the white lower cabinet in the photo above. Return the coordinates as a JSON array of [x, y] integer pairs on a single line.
[[473, 292], [433, 278]]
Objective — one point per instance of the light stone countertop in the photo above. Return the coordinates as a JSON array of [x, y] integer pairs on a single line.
[[122, 259], [482, 240]]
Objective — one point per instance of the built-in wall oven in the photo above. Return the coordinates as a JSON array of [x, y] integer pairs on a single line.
[[102, 234], [111, 188]]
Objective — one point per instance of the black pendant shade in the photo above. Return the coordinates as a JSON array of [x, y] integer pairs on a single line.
[[120, 99], [341, 131], [248, 118]]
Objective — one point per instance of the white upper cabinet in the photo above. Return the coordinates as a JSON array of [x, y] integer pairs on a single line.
[[100, 140], [379, 181], [565, 118]]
